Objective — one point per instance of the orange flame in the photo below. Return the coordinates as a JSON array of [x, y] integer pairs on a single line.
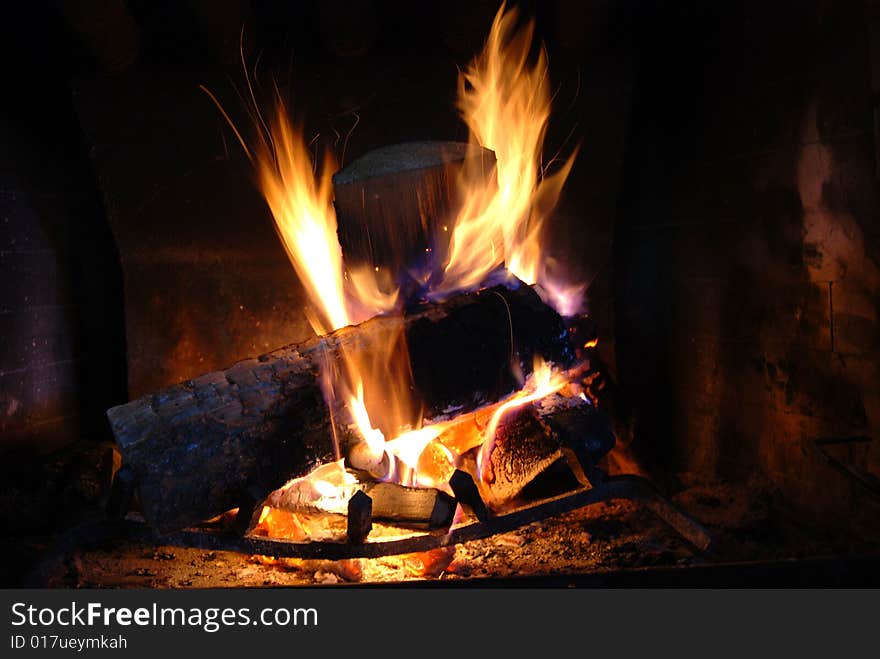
[[505, 101], [504, 98], [303, 211], [464, 432], [301, 203]]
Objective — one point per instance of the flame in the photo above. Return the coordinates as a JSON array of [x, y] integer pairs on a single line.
[[302, 206], [453, 438], [505, 101], [301, 202], [373, 437], [409, 446]]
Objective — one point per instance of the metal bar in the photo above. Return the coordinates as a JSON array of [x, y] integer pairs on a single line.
[[869, 481], [617, 487]]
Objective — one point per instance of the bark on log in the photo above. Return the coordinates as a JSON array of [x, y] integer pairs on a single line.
[[202, 447], [392, 203], [360, 517]]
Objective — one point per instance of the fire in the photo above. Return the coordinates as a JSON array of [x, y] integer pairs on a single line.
[[453, 438], [301, 202], [543, 382], [505, 101]]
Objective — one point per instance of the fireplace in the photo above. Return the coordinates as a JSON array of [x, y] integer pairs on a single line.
[[616, 326]]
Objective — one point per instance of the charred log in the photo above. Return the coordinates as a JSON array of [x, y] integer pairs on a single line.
[[202, 447], [537, 437], [524, 447], [404, 506]]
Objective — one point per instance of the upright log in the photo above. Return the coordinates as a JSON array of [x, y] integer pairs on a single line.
[[394, 205], [206, 445]]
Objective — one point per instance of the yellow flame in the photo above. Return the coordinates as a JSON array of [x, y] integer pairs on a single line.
[[302, 207], [504, 99], [373, 437], [301, 203], [408, 447]]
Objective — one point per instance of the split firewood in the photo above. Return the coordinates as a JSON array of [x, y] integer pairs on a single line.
[[390, 502], [530, 440], [204, 446], [524, 447]]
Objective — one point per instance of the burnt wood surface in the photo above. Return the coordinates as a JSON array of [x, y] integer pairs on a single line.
[[203, 446], [530, 440], [360, 517], [524, 448]]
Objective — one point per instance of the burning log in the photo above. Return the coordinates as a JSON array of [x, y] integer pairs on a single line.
[[393, 203], [524, 448], [532, 439], [390, 502], [206, 445]]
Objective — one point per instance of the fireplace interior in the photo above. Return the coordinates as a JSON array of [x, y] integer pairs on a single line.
[[178, 399]]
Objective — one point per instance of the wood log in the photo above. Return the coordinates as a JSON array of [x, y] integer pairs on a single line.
[[411, 506], [393, 203], [524, 447], [416, 507], [206, 445], [531, 440]]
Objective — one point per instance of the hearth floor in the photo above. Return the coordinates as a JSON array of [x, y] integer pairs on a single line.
[[744, 520]]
